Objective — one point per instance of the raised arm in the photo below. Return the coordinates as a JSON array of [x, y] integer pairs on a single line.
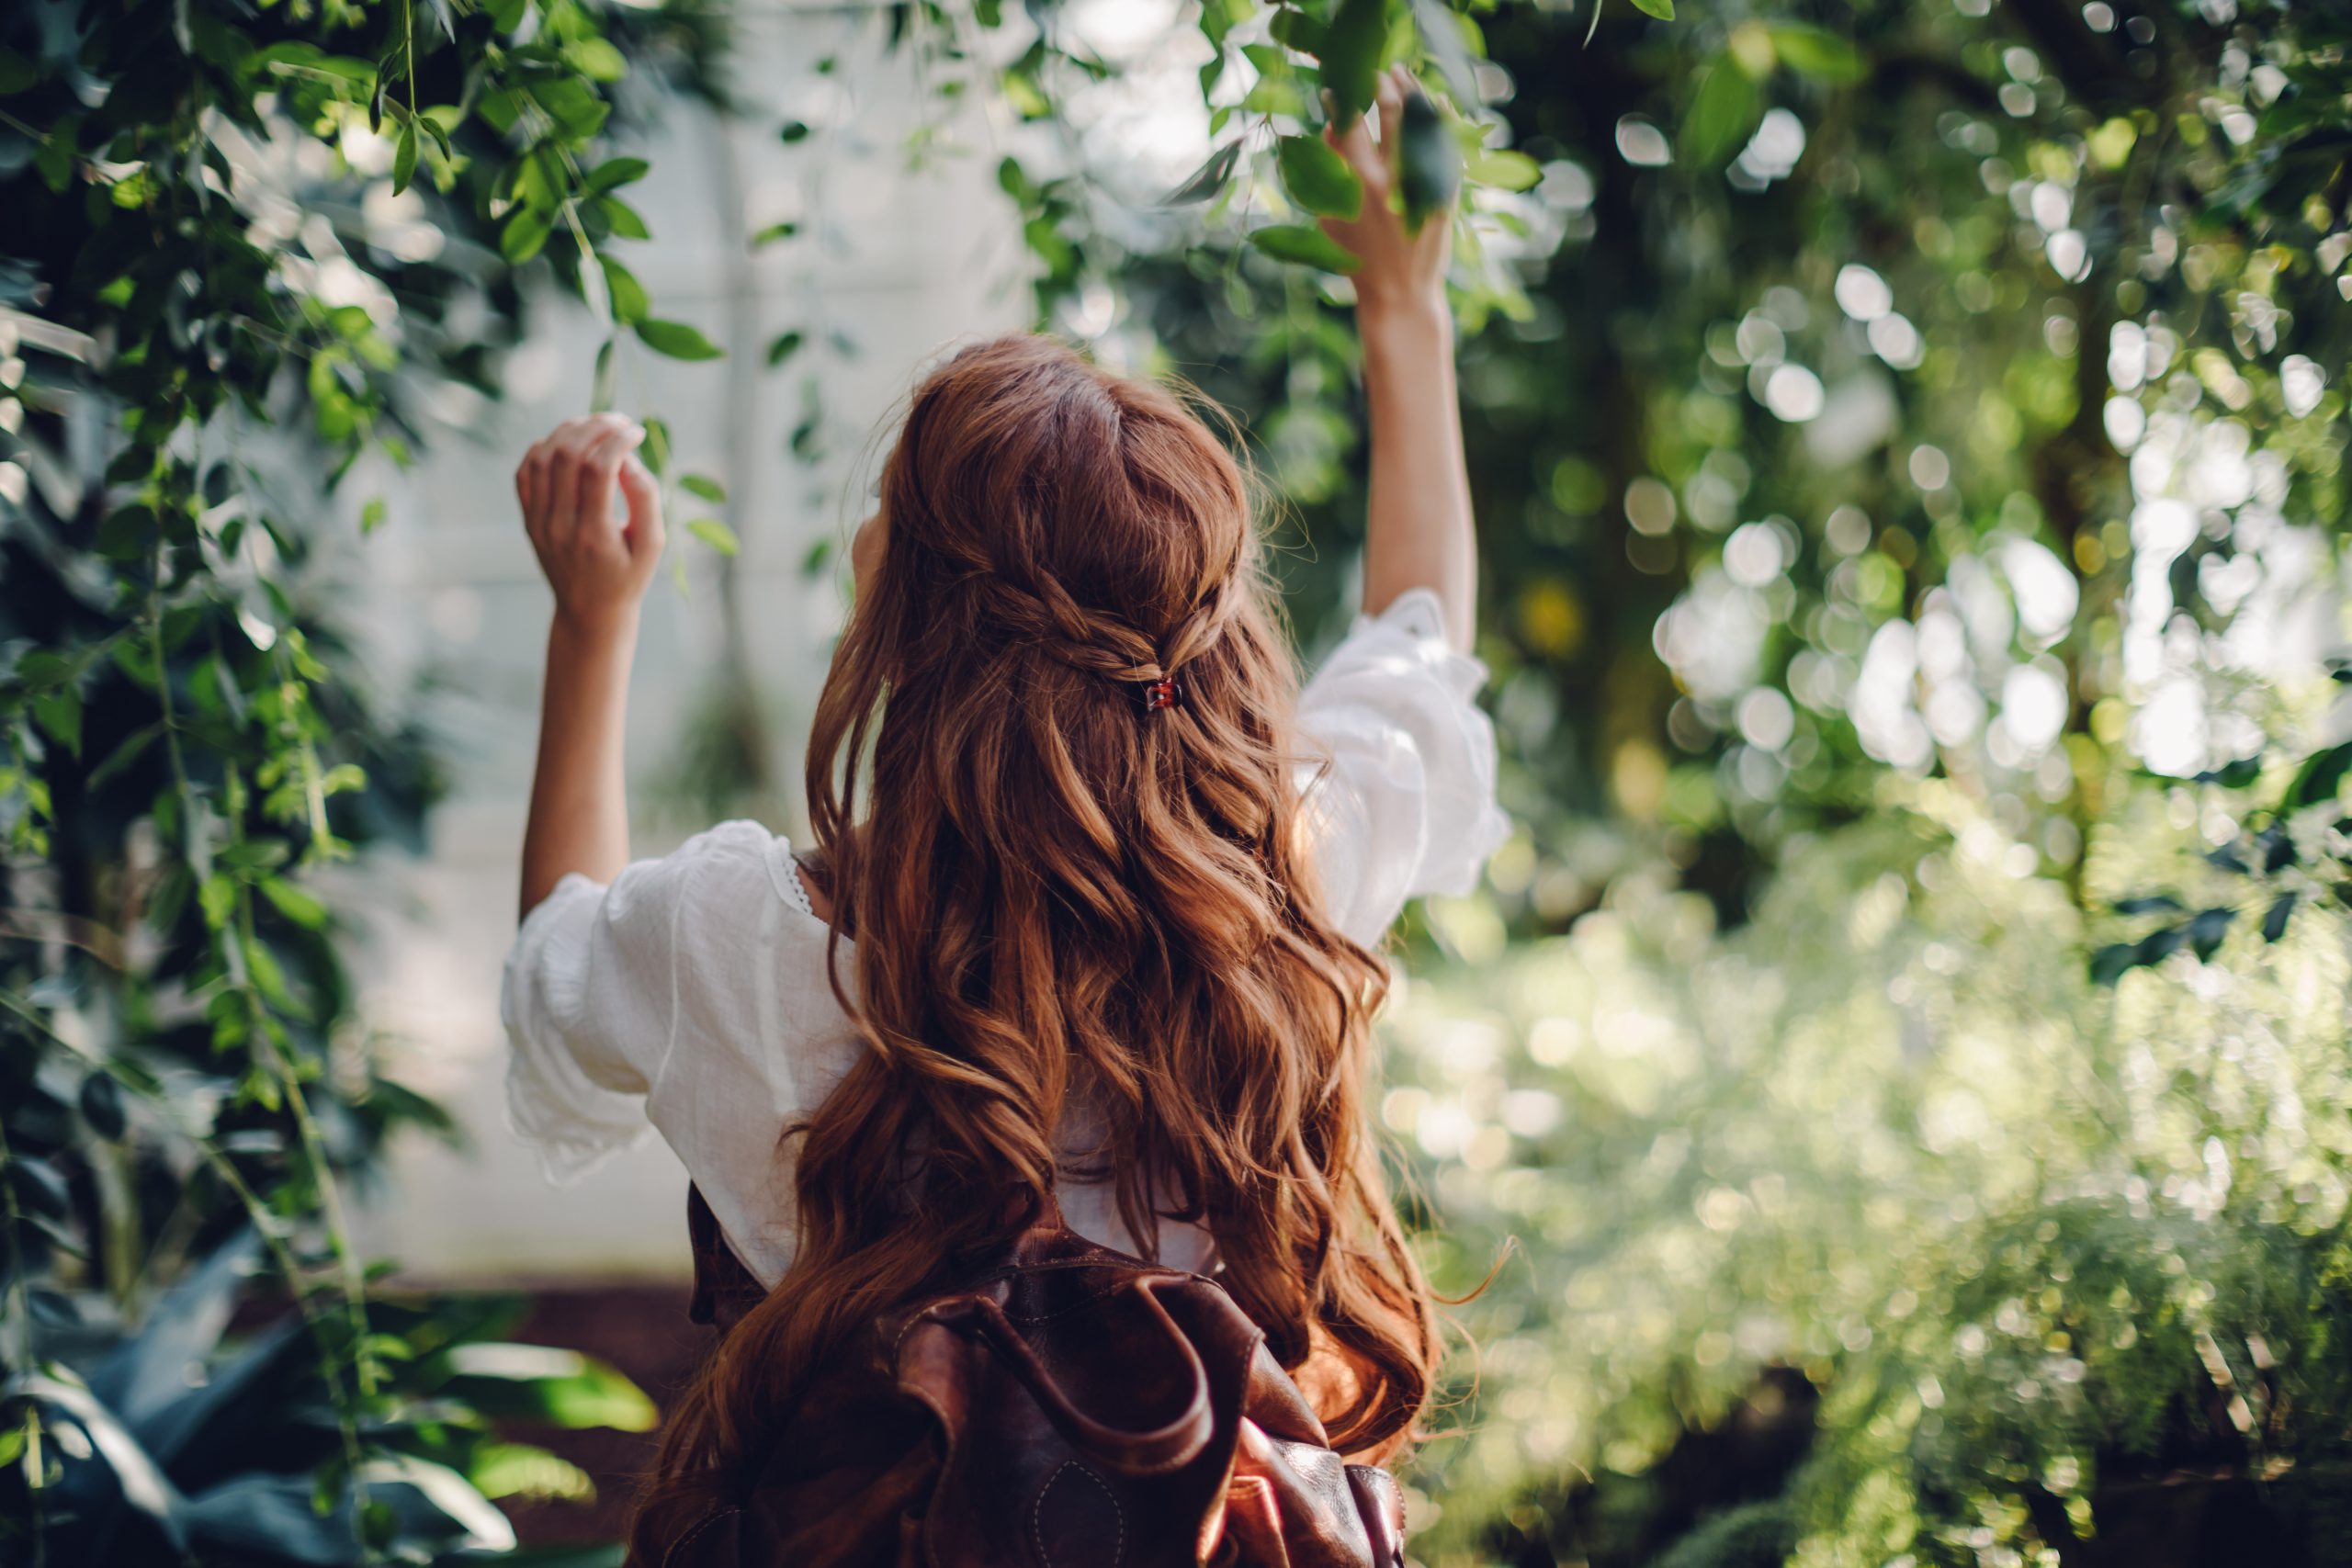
[[1419, 532], [598, 565]]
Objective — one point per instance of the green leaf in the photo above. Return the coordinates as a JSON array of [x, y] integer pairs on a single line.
[[773, 232], [2319, 777], [2148, 904], [2207, 929], [17, 72], [792, 131], [295, 903], [127, 752], [630, 302], [786, 345], [2273, 919], [715, 534], [1350, 57], [595, 58], [1814, 52], [703, 485], [615, 172], [59, 714], [1503, 169], [1429, 161], [404, 158], [562, 1388], [622, 219], [524, 236], [1318, 178], [1204, 181], [1662, 9], [656, 450], [101, 1101], [1297, 31], [1304, 245], [1724, 110], [676, 340], [603, 387]]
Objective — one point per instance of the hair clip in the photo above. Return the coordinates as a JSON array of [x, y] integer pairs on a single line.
[[1160, 694]]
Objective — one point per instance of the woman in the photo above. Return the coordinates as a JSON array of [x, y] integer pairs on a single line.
[[1093, 886]]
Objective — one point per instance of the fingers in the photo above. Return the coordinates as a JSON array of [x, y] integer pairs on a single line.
[[1373, 161], [531, 485], [601, 460], [644, 499], [1389, 95], [563, 480], [1353, 143]]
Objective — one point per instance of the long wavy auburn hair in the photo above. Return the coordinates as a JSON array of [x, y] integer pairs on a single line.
[[1057, 893]]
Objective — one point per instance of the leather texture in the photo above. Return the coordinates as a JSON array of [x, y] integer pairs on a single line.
[[1068, 1406]]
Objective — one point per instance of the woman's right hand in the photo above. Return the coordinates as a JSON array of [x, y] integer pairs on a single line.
[[597, 563], [1400, 266]]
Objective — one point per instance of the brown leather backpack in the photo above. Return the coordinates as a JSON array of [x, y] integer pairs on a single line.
[[1068, 1406]]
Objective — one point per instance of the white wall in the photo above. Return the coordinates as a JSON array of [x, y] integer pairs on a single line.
[[901, 260]]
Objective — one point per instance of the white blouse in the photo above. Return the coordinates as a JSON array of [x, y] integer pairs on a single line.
[[690, 996]]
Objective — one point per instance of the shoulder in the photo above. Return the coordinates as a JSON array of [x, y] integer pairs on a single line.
[[739, 858], [1406, 638]]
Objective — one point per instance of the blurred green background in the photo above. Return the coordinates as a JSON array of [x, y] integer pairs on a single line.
[[1892, 1088]]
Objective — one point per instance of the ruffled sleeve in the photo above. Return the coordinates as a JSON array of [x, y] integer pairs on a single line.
[[600, 980], [1407, 803]]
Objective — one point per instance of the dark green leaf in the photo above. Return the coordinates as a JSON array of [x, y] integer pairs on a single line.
[[1428, 160], [1297, 29], [2236, 773], [2274, 848], [404, 158], [2273, 919], [127, 752], [17, 72], [2205, 931], [59, 714], [786, 345], [2148, 904], [1352, 43], [101, 1101], [2317, 779], [1204, 182], [1318, 178]]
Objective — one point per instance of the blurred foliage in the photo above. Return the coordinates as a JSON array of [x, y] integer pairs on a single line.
[[1908, 1039], [246, 248]]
